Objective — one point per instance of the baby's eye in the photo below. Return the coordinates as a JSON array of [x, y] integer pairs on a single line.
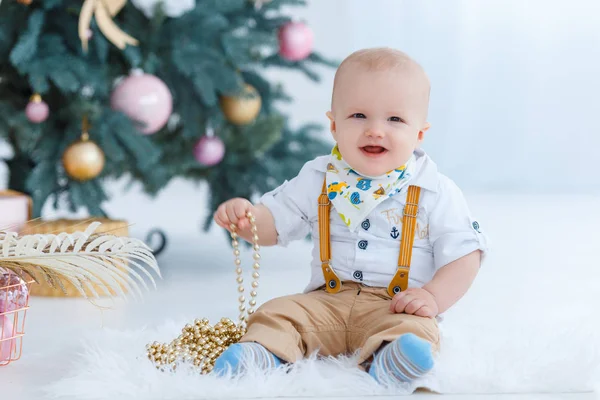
[[395, 119], [358, 115]]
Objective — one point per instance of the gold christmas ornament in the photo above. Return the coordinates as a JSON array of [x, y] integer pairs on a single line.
[[103, 11], [25, 2], [200, 343], [243, 109], [84, 159]]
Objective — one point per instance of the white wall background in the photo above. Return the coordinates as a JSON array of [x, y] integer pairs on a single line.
[[515, 83], [514, 100]]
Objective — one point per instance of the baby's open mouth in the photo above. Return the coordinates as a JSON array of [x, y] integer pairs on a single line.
[[373, 151]]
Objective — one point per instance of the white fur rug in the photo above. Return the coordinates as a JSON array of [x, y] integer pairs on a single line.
[[502, 357], [502, 341], [529, 324]]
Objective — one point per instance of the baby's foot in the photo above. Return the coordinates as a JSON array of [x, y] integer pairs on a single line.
[[237, 355], [405, 359]]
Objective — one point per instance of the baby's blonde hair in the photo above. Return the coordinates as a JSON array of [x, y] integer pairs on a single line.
[[378, 59]]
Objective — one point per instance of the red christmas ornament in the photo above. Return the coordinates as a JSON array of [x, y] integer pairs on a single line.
[[295, 41]]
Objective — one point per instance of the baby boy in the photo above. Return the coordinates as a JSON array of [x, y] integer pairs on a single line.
[[394, 242]]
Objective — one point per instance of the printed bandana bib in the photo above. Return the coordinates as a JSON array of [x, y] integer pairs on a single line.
[[354, 196]]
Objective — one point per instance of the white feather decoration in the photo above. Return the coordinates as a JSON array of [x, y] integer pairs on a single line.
[[84, 259]]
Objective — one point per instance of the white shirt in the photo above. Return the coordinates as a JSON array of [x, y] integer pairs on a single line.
[[445, 230]]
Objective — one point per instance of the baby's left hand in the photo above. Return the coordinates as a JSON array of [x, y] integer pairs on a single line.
[[417, 301]]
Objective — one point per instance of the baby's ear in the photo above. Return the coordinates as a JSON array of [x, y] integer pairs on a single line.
[[332, 121], [423, 130]]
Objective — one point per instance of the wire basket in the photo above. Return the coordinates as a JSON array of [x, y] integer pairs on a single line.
[[14, 303]]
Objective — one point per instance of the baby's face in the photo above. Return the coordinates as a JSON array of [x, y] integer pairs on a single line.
[[378, 118]]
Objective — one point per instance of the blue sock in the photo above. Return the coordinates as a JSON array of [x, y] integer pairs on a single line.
[[405, 359], [254, 353]]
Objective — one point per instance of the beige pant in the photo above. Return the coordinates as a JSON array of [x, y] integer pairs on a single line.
[[357, 317]]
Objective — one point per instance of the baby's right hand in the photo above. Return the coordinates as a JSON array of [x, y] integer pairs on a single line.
[[234, 212]]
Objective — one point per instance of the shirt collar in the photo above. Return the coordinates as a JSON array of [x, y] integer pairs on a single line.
[[426, 176]]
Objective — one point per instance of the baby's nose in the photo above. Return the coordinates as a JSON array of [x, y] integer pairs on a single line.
[[374, 132]]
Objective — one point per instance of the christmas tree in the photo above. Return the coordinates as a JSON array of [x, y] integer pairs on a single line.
[[99, 89]]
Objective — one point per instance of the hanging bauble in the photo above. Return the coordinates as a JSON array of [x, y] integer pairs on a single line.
[[242, 109], [84, 159], [295, 41], [209, 150], [145, 99], [25, 2], [37, 110]]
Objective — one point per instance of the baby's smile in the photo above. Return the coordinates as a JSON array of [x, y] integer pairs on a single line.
[[373, 151]]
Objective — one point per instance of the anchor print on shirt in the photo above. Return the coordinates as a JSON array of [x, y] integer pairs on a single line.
[[394, 217]]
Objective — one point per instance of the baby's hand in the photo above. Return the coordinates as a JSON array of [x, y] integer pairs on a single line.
[[234, 212], [415, 301]]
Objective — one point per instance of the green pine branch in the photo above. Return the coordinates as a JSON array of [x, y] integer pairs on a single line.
[[209, 52]]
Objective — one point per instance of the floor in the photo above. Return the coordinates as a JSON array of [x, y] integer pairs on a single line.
[[54, 326]]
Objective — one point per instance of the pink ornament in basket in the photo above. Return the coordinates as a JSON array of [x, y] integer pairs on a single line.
[[14, 294], [7, 331], [144, 98]]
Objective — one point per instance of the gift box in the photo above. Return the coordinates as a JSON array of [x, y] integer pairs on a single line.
[[109, 226], [15, 210]]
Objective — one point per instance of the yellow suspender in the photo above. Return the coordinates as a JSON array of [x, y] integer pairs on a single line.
[[409, 223], [332, 282]]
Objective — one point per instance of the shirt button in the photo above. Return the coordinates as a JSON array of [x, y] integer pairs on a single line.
[[366, 224], [358, 275], [363, 244]]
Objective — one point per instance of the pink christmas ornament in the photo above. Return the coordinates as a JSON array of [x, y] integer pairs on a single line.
[[37, 110], [6, 332], [144, 98], [14, 294], [209, 151], [295, 41]]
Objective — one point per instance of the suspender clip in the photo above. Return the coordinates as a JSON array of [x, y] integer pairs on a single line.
[[411, 215]]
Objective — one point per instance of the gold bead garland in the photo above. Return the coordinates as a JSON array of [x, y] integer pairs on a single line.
[[200, 343]]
